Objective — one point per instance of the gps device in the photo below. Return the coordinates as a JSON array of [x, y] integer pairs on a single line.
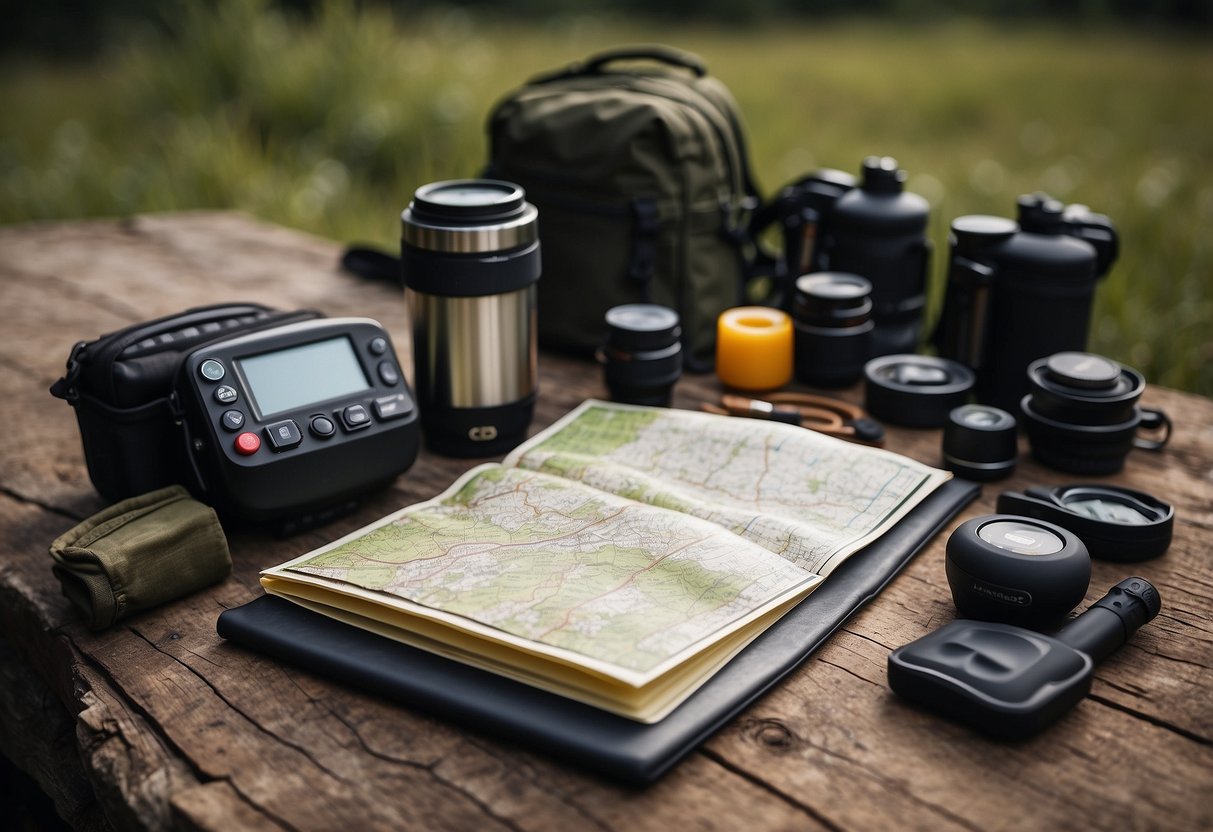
[[296, 418]]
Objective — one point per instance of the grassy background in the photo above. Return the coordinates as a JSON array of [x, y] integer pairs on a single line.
[[329, 123]]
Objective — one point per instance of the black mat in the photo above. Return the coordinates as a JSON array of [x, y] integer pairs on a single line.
[[585, 736]]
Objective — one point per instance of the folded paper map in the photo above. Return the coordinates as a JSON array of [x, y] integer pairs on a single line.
[[620, 557]]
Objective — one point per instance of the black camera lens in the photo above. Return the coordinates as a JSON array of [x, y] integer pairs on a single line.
[[1016, 570], [832, 314], [980, 442], [916, 391], [1082, 414], [642, 357]]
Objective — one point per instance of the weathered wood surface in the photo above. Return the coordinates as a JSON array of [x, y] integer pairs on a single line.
[[172, 728]]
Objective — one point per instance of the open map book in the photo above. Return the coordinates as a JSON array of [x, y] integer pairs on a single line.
[[619, 558]]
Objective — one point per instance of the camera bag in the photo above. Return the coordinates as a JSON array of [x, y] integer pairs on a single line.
[[643, 188], [121, 387]]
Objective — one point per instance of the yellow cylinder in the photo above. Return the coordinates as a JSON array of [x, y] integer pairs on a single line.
[[754, 348]]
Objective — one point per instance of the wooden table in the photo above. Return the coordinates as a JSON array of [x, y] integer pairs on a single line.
[[158, 723]]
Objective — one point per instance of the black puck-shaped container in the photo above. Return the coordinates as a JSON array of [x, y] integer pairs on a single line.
[[980, 442], [832, 316], [916, 391], [642, 356], [1082, 414], [1012, 569]]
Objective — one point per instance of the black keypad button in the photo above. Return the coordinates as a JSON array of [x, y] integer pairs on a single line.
[[377, 346], [355, 417], [392, 407], [232, 420], [388, 373], [322, 427], [283, 435], [226, 395]]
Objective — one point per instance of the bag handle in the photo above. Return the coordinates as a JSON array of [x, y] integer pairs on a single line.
[[597, 62], [646, 52]]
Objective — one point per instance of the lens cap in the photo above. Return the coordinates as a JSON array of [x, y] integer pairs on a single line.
[[832, 299], [915, 390], [1117, 524], [980, 442], [642, 326]]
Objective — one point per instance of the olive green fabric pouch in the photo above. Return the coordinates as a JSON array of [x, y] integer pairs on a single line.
[[140, 553]]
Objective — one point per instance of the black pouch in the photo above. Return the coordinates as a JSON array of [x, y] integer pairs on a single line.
[[121, 386]]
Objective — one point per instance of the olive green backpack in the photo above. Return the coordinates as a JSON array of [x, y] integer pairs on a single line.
[[643, 189]]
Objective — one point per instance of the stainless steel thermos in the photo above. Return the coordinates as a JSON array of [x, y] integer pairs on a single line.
[[470, 255]]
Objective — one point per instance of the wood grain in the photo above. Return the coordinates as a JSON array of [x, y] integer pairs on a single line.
[[174, 729]]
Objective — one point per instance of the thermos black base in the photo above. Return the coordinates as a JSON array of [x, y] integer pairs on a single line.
[[478, 431]]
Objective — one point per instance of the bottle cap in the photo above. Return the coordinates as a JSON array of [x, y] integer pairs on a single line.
[[882, 176]]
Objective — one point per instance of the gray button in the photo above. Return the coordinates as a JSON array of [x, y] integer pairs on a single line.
[[378, 346], [211, 370], [232, 420], [226, 395]]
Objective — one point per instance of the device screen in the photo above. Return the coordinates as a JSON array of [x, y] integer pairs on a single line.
[[303, 375]]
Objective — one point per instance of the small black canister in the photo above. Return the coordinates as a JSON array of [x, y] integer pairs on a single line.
[[642, 357], [832, 315]]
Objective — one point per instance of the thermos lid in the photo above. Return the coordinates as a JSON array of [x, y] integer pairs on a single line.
[[915, 390], [1082, 369], [469, 216], [1085, 377], [974, 231]]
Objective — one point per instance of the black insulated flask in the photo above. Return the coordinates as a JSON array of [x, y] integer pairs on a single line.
[[879, 231], [1021, 291]]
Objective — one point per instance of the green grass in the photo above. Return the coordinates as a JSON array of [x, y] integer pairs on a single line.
[[329, 124]]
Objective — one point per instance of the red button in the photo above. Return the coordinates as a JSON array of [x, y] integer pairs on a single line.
[[247, 443]]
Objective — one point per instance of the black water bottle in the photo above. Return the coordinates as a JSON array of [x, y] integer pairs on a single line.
[[878, 231], [1020, 292]]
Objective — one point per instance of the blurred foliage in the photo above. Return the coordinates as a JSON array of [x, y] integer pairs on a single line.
[[327, 120]]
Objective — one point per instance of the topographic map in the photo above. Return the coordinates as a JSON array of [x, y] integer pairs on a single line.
[[624, 541], [806, 497]]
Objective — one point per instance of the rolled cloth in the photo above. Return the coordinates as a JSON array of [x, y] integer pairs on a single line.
[[140, 553]]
